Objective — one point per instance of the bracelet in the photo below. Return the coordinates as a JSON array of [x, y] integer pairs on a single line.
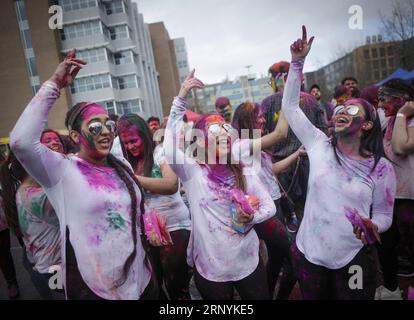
[[401, 115]]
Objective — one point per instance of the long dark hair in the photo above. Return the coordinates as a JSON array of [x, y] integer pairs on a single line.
[[58, 135], [372, 140], [244, 117], [236, 169], [74, 122], [133, 120], [12, 175]]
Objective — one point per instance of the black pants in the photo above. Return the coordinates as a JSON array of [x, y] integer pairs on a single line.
[[170, 263], [6, 259], [399, 236], [274, 234], [320, 283], [77, 289], [253, 287]]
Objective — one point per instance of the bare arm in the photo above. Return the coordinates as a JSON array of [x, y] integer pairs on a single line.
[[284, 165], [403, 133], [167, 185], [278, 135]]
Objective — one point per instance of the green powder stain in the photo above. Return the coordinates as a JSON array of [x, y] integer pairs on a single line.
[[116, 222], [156, 172], [37, 209], [23, 220]]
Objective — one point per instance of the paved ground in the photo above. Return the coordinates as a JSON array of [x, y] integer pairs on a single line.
[[28, 292]]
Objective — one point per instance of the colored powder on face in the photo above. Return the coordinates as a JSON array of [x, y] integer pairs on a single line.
[[91, 111]]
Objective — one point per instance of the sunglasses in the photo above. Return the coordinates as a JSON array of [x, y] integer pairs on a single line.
[[215, 128], [95, 128], [351, 110]]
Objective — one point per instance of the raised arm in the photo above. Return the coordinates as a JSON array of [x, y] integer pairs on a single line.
[[284, 165], [403, 133], [175, 156], [44, 165], [306, 132], [278, 135]]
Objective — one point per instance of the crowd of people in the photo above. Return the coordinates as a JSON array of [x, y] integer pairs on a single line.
[[292, 191]]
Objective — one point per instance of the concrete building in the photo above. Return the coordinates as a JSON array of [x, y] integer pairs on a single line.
[[113, 38], [237, 91], [182, 58], [30, 52], [369, 64], [110, 35], [166, 63]]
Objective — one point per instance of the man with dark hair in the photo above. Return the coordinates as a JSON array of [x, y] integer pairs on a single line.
[[224, 108], [351, 84], [154, 124], [315, 91]]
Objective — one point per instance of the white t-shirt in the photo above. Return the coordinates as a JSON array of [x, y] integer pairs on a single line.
[[91, 201], [326, 236], [171, 206], [40, 228]]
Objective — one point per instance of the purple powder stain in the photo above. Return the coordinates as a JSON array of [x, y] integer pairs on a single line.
[[98, 178], [95, 234], [390, 197], [410, 295]]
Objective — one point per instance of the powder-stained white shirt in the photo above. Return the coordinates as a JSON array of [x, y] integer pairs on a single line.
[[218, 252], [241, 148], [171, 206], [90, 200], [325, 236], [40, 228], [3, 221]]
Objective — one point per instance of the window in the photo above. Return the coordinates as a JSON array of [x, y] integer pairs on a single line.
[[127, 82], [90, 83], [114, 7], [374, 53], [383, 63], [375, 64], [123, 57], [110, 106], [118, 32], [92, 55], [391, 63], [390, 50], [80, 30], [382, 52], [131, 106], [377, 75], [366, 54], [70, 5]]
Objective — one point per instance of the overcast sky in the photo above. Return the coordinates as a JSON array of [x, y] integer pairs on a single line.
[[224, 36]]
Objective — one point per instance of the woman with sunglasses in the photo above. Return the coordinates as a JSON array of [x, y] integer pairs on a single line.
[[32, 218], [96, 197], [223, 258], [396, 252], [247, 118], [161, 194], [350, 180]]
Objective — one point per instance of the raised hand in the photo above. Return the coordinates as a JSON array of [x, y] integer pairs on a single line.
[[301, 47], [67, 70], [190, 83]]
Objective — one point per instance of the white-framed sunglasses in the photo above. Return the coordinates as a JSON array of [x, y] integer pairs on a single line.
[[352, 110], [95, 128], [215, 128]]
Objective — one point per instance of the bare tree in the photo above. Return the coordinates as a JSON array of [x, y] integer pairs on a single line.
[[398, 25]]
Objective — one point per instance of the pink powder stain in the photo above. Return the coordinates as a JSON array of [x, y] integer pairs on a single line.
[[93, 110], [410, 295], [99, 178], [390, 197], [95, 234]]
